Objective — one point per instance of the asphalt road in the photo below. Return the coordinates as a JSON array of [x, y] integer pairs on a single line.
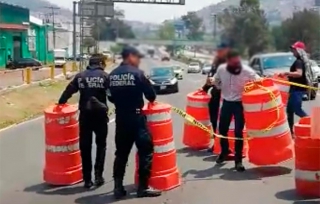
[[22, 160]]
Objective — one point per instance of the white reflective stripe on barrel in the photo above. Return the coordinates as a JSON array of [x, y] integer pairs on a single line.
[[63, 120], [62, 148], [282, 87], [204, 122], [158, 117], [307, 175], [256, 107], [164, 148], [197, 104], [277, 130]]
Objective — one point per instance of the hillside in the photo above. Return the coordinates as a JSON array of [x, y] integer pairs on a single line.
[[39, 6], [276, 10]]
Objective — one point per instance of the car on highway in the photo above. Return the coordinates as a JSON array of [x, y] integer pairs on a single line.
[[206, 68], [163, 79], [268, 64], [316, 69], [23, 63], [194, 67], [178, 71]]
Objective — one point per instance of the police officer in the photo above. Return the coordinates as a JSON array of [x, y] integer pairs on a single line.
[[127, 86], [214, 103], [92, 84]]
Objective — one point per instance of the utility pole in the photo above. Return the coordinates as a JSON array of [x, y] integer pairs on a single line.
[[53, 9], [215, 26], [74, 34]]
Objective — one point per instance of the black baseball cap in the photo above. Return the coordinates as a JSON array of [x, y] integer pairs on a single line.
[[127, 51]]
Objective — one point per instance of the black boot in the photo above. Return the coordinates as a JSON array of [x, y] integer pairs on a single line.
[[88, 184], [119, 191], [239, 167], [99, 181], [221, 158], [145, 191]]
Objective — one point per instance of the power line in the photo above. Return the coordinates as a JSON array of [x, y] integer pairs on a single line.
[[52, 14]]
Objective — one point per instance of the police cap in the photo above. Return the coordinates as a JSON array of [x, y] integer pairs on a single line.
[[97, 59], [128, 50]]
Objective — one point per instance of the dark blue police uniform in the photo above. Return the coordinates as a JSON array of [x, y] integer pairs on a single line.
[[127, 85], [92, 84]]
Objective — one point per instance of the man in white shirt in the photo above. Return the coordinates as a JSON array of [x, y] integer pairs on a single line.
[[231, 79]]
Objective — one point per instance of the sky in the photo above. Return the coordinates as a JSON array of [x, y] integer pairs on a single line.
[[151, 13]]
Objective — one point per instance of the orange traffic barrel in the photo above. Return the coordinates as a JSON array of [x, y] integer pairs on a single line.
[[266, 124], [164, 172], [283, 87], [231, 141], [197, 107], [62, 155], [307, 160]]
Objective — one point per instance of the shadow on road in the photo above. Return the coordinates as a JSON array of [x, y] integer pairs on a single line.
[[106, 198], [205, 173], [256, 173], [291, 195], [193, 153], [45, 189]]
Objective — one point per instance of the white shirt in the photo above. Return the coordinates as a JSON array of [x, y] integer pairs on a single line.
[[232, 86]]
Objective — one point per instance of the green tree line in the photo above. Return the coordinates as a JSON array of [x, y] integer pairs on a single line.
[[247, 29], [108, 29]]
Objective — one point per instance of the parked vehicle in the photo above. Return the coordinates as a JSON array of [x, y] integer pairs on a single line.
[[163, 79], [269, 64], [23, 63], [178, 71], [194, 67], [60, 57], [206, 68]]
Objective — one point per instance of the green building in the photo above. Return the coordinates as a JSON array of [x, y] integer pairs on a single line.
[[38, 41], [14, 23]]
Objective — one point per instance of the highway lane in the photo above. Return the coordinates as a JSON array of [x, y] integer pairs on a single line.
[[22, 156]]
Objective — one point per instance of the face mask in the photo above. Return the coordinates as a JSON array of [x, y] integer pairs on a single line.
[[234, 69]]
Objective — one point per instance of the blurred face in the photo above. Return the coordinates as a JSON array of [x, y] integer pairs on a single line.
[[134, 60], [222, 52], [294, 51], [234, 62]]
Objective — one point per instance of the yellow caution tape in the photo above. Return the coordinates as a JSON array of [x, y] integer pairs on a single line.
[[296, 84], [249, 87]]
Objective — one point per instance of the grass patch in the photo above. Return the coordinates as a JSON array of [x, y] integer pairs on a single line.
[[25, 103]]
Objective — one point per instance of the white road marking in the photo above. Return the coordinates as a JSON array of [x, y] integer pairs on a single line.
[[35, 119]]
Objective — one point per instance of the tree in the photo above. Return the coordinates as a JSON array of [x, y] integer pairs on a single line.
[[111, 29], [194, 24], [166, 31], [89, 42], [303, 26], [246, 27]]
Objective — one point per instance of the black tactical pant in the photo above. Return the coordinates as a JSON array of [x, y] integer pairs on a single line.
[[229, 109], [132, 128], [214, 105], [97, 123]]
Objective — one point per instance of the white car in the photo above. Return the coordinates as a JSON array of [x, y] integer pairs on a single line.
[[206, 68], [194, 67], [178, 71]]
